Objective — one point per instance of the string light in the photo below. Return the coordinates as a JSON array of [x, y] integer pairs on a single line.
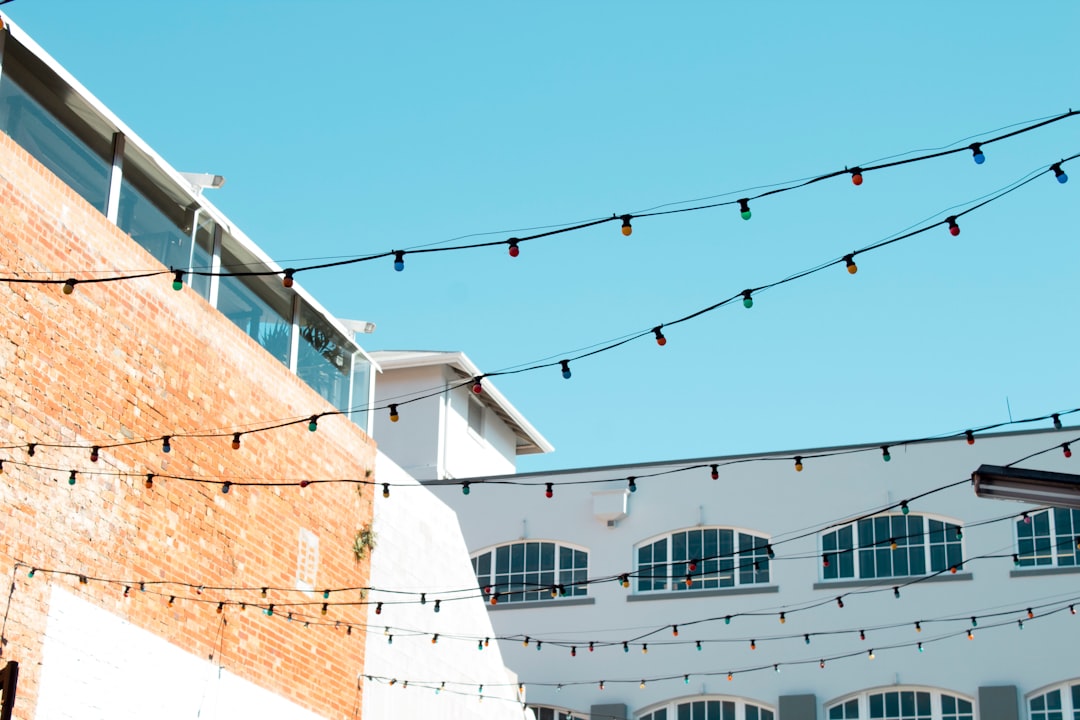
[[747, 299], [798, 463], [178, 279], [954, 229], [849, 262], [386, 490], [236, 441], [918, 627], [856, 176], [69, 286], [660, 339], [783, 618], [970, 436], [549, 491], [1030, 614], [166, 444], [870, 655], [753, 644], [477, 387], [1066, 450], [287, 280], [1059, 173], [715, 474], [399, 260], [920, 647], [514, 250], [624, 580], [71, 478], [825, 559], [840, 602], [904, 509], [1057, 420], [225, 487], [862, 634], [885, 455], [645, 649], [313, 423], [970, 635], [465, 488], [744, 208], [630, 484], [806, 638], [896, 592], [697, 645], [626, 227], [565, 368], [977, 153], [30, 449], [394, 417]]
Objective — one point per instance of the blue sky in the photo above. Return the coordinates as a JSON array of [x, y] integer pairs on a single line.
[[348, 128]]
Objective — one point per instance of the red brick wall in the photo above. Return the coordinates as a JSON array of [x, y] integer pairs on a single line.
[[135, 359]]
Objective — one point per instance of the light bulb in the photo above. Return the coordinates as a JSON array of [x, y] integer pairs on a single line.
[[225, 487], [565, 368], [892, 544], [904, 509], [870, 655], [730, 677], [920, 647], [821, 664], [378, 608], [394, 417], [862, 634], [918, 627], [974, 621], [660, 339], [573, 652], [798, 463], [825, 560], [686, 679], [674, 631], [1066, 450], [220, 608], [270, 609], [1057, 421], [172, 599], [476, 386], [1030, 614], [33, 571], [806, 639], [970, 435], [747, 299], [642, 685], [494, 599], [514, 249], [399, 260], [166, 444], [127, 591], [31, 449], [465, 488], [896, 592], [549, 491], [971, 635], [645, 649], [626, 228], [727, 619], [149, 482], [769, 551], [698, 645], [856, 176], [236, 441], [715, 474], [849, 261], [287, 280], [744, 208], [625, 648], [178, 279], [1059, 173], [840, 602], [69, 286], [624, 580], [954, 229], [783, 618], [95, 453], [630, 484], [885, 455], [977, 153], [71, 478], [753, 644], [324, 609], [313, 423], [601, 684], [435, 639], [386, 490], [590, 646]]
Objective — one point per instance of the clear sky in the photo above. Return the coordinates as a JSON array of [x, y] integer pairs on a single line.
[[349, 128]]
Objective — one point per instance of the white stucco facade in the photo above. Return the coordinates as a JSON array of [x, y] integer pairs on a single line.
[[766, 497]]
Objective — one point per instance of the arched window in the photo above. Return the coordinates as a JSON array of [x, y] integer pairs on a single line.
[[532, 570], [702, 559], [891, 546], [707, 708], [1049, 537], [902, 704], [1061, 702]]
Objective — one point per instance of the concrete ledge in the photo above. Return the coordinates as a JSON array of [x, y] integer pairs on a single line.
[[1042, 571], [719, 592], [884, 582], [552, 603]]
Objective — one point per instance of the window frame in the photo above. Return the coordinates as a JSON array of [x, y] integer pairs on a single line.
[[558, 712], [937, 695], [853, 557], [561, 575], [672, 705], [1070, 699], [1030, 561], [674, 582]]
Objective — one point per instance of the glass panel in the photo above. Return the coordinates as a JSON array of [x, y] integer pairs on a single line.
[[264, 316], [202, 255], [361, 391], [846, 565], [877, 706], [325, 358], [923, 701], [684, 712], [52, 144], [153, 221], [728, 708]]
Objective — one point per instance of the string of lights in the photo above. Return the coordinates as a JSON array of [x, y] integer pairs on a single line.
[[228, 483], [513, 244], [476, 383], [1027, 615]]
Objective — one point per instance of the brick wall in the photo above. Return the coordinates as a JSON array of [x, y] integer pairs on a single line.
[[114, 362]]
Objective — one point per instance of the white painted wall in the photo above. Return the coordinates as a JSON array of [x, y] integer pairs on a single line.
[[420, 547], [771, 497], [97, 666], [432, 439]]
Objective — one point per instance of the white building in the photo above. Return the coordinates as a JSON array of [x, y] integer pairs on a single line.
[[769, 591]]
